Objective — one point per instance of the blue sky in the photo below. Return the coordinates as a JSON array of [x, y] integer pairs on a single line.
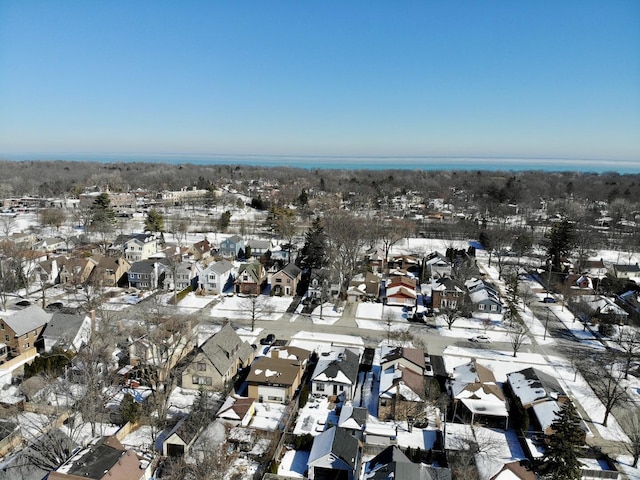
[[487, 78]]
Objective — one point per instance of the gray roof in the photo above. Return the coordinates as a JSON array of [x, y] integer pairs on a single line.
[[23, 321], [147, 266], [63, 326], [221, 267], [291, 270], [336, 441], [225, 347], [392, 463], [348, 365]]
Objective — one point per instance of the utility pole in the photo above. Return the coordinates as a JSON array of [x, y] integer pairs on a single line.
[[546, 325]]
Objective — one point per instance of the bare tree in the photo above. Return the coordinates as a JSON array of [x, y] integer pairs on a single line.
[[390, 232], [605, 377], [179, 226], [630, 419], [517, 337], [450, 314], [628, 341], [52, 217], [7, 224], [346, 237], [257, 306], [159, 344]]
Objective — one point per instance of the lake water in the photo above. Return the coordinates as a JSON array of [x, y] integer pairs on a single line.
[[354, 162]]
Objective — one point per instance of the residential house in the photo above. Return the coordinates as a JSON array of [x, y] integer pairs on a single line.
[[285, 281], [410, 358], [391, 463], [75, 271], [275, 379], [402, 383], [162, 346], [335, 453], [605, 309], [437, 266], [110, 271], [375, 259], [477, 395], [218, 360], [336, 373], [147, 274], [368, 284], [237, 409], [101, 459], [630, 301], [52, 245], [180, 275], [47, 271], [251, 278], [231, 246], [540, 394], [625, 271], [446, 293], [258, 247], [200, 250], [22, 328], [140, 246], [217, 277], [407, 263], [483, 296], [595, 268], [180, 439], [401, 291], [353, 419], [67, 331]]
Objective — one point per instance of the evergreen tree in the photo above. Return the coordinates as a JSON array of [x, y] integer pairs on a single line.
[[129, 408], [101, 211], [561, 458], [224, 221], [154, 221], [314, 252], [560, 242]]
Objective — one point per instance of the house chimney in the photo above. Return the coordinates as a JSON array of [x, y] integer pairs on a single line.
[[275, 353]]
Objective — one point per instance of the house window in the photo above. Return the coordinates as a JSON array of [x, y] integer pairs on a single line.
[[494, 308], [196, 380], [26, 345], [481, 307], [274, 398], [1, 326], [278, 280], [201, 367], [26, 335], [320, 387], [6, 338], [383, 402]]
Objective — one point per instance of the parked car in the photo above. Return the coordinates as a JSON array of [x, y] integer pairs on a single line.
[[480, 339], [54, 306], [23, 303], [268, 340], [549, 300]]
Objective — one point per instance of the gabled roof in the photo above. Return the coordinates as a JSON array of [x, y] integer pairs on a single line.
[[23, 321], [274, 371], [342, 368], [185, 430], [235, 407], [336, 446], [403, 383], [445, 283], [413, 355], [391, 463], [254, 270], [224, 348], [531, 385], [354, 418], [147, 266], [291, 270], [233, 239], [627, 268], [63, 326], [220, 267]]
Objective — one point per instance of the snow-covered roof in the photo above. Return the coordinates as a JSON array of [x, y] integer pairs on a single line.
[[546, 413]]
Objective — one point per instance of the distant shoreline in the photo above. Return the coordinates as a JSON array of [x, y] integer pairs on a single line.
[[329, 162]]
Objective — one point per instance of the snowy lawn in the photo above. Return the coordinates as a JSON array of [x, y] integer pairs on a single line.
[[294, 463], [239, 307]]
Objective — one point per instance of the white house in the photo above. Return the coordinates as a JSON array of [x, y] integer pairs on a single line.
[[216, 276]]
